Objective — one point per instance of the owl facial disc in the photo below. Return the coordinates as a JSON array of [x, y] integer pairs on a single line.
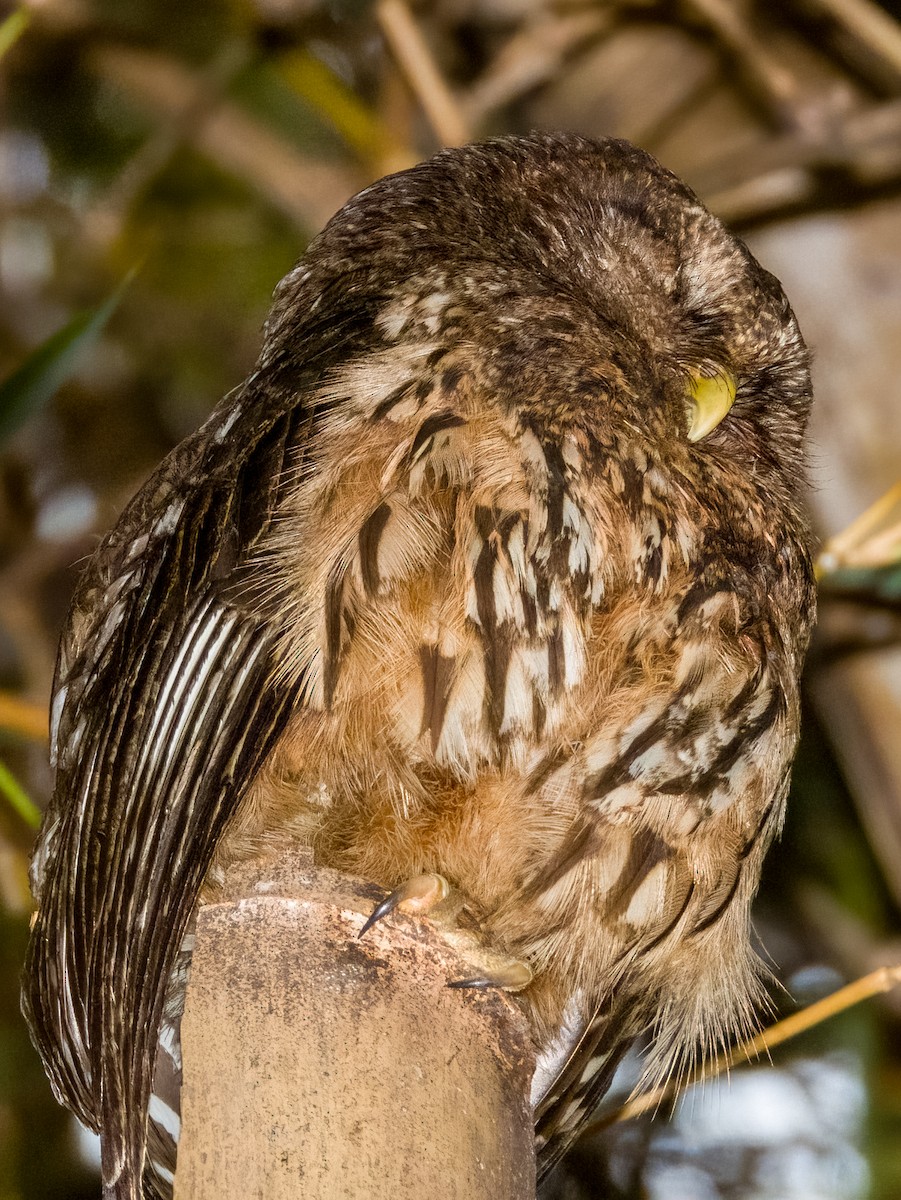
[[709, 399]]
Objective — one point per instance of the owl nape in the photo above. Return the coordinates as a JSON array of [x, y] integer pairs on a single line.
[[495, 570]]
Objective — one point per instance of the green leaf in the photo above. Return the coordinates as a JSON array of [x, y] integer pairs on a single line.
[[360, 126], [12, 29], [48, 367], [21, 802]]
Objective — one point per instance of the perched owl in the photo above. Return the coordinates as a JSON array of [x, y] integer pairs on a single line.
[[495, 572]]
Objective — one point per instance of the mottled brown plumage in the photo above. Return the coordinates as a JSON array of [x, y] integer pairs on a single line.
[[446, 587]]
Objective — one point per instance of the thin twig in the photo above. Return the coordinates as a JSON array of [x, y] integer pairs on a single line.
[[106, 219], [307, 191], [863, 543], [852, 943], [869, 25], [415, 59], [776, 86], [532, 56], [884, 979], [756, 181]]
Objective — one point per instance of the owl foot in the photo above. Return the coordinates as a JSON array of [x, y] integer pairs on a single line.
[[419, 896], [432, 896]]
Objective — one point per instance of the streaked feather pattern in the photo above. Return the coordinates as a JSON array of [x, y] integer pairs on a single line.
[[445, 587]]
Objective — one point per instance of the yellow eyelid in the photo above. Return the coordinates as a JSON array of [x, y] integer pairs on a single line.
[[711, 397]]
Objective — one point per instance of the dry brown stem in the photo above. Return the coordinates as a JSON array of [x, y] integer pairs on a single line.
[[867, 24], [307, 191], [415, 59], [774, 84], [883, 979], [532, 56], [781, 171], [22, 717]]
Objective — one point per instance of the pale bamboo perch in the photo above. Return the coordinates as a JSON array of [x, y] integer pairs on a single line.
[[318, 1065]]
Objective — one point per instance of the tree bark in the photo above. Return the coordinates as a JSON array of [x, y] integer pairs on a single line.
[[318, 1065]]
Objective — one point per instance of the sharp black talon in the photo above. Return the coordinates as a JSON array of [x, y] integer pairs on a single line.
[[420, 895], [507, 975], [381, 910]]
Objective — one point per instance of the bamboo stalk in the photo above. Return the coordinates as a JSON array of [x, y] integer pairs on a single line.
[[317, 1064]]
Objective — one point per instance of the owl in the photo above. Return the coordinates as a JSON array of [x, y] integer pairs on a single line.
[[493, 577]]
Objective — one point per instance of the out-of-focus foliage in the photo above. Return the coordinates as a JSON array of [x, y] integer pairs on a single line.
[[208, 141], [48, 367], [18, 799]]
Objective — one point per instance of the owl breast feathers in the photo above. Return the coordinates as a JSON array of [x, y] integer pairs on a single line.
[[495, 567]]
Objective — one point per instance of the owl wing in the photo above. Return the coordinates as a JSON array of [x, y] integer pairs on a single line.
[[164, 708], [581, 1084]]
